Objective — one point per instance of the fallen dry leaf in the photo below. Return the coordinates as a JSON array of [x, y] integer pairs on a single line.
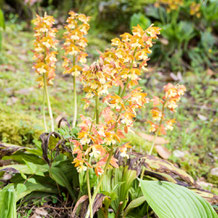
[[150, 138], [80, 201], [210, 72], [26, 91], [162, 151], [164, 41], [39, 213]]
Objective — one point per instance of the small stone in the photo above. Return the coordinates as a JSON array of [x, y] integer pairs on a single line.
[[178, 153], [214, 172]]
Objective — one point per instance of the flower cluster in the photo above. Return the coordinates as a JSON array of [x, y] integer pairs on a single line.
[[124, 108], [95, 79], [91, 150], [129, 55], [195, 9], [126, 60], [75, 42], [170, 100], [118, 67], [170, 4], [122, 64], [45, 48]]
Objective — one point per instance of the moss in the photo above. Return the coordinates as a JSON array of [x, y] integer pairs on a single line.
[[137, 142], [18, 128]]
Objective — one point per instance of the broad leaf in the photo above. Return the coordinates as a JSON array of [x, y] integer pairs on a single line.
[[133, 204], [23, 190], [140, 19], [169, 200], [27, 169], [8, 202], [59, 177]]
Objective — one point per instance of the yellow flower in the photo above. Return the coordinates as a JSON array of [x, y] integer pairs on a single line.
[[195, 9], [156, 114], [171, 4], [169, 124], [75, 42], [44, 48]]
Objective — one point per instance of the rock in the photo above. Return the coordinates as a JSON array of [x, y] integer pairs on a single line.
[[204, 184], [213, 176], [214, 172], [201, 117], [178, 154]]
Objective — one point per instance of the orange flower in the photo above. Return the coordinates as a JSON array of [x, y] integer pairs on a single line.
[[44, 48], [169, 124], [171, 4], [75, 42], [195, 9], [156, 114]]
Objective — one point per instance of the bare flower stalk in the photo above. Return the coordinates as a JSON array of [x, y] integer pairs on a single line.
[[75, 42], [97, 109], [89, 192], [44, 117], [48, 102], [99, 184]]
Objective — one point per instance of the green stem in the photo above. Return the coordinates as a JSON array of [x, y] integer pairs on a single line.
[[97, 109], [89, 193], [74, 95], [100, 181], [48, 102], [124, 89], [75, 101], [119, 90], [43, 111]]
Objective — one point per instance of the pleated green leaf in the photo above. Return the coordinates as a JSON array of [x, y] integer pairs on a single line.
[[58, 176], [8, 202], [170, 200]]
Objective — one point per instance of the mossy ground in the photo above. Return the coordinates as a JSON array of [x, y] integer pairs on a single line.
[[21, 103]]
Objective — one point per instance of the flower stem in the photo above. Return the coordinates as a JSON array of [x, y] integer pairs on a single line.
[[89, 193], [97, 109], [124, 89], [43, 111], [99, 183], [75, 101], [48, 102], [74, 96], [119, 90]]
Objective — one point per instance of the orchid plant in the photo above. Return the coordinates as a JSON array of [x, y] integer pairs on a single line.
[[111, 84]]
